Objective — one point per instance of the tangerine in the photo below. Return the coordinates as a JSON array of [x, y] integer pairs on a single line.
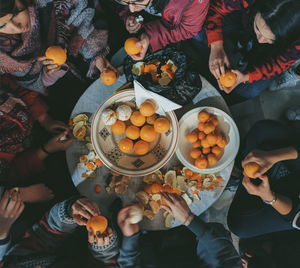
[[148, 133], [130, 46], [250, 169], [147, 108], [217, 151], [118, 128], [161, 125], [97, 224], [141, 147], [132, 132], [192, 137], [228, 79], [222, 143], [137, 119], [204, 143], [57, 54], [203, 116], [126, 145], [201, 162], [195, 153], [108, 77]]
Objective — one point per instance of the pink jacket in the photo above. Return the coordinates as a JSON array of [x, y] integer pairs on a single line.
[[181, 20]]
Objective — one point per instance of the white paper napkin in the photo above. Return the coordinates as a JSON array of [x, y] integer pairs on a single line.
[[164, 105]]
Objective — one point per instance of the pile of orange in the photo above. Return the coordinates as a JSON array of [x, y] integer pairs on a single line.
[[141, 129], [207, 140]]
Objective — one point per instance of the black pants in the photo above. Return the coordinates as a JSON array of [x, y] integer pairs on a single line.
[[248, 216]]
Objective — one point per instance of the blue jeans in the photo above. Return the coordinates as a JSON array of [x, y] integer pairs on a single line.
[[248, 216]]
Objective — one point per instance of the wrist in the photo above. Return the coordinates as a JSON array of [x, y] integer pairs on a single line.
[[246, 78], [217, 44], [268, 196]]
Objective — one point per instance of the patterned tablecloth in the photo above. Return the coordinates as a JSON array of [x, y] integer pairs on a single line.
[[88, 104]]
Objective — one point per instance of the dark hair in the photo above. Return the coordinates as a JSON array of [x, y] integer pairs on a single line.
[[283, 18], [9, 6]]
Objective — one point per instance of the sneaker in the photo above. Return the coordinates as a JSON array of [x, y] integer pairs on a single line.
[[289, 78], [293, 113]]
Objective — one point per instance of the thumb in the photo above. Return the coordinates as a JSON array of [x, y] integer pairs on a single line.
[[236, 72], [138, 44]]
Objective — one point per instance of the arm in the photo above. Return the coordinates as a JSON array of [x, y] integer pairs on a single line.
[[190, 24], [276, 65], [217, 11]]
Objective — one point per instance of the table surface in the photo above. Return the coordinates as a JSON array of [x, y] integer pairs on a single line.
[[96, 94]]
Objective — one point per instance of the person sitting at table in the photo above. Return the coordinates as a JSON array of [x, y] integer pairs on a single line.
[[257, 39], [214, 246], [167, 21], [58, 225], [269, 203], [28, 28]]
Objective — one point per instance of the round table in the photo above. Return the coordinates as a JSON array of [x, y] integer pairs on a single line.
[[96, 94]]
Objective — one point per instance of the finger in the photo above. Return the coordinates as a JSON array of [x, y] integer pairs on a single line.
[[222, 69], [11, 204], [218, 70], [52, 66], [81, 211], [53, 70], [42, 58], [89, 207], [166, 208], [106, 240], [47, 62], [91, 237], [79, 220], [100, 241], [264, 178], [19, 210], [4, 201], [226, 61]]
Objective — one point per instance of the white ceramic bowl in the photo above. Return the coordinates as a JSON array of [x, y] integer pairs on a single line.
[[105, 142], [189, 122]]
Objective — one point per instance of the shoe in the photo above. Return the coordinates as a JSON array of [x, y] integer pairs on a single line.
[[289, 78], [293, 113]]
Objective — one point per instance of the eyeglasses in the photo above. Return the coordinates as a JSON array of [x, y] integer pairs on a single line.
[[136, 3]]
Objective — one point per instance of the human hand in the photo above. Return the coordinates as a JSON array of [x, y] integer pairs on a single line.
[[262, 190], [127, 228], [240, 78], [51, 125], [144, 43], [218, 59], [176, 206], [36, 193], [131, 25], [264, 159], [245, 260], [57, 144], [103, 65], [11, 207], [100, 239], [83, 209], [51, 68]]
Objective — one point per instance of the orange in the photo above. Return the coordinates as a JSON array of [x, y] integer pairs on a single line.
[[137, 119], [228, 79], [214, 121], [141, 147], [201, 162], [222, 142], [108, 77], [98, 188], [201, 126], [203, 116], [150, 68], [250, 169], [130, 46], [147, 108], [188, 173], [97, 224], [126, 145], [192, 137], [118, 128], [204, 143], [211, 139], [206, 150], [208, 128], [212, 160], [201, 135], [161, 125], [132, 132], [196, 144], [148, 133], [169, 189], [57, 54], [98, 162], [195, 153], [217, 151]]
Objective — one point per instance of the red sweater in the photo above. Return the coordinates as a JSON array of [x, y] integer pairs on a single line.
[[181, 20], [218, 9], [23, 164]]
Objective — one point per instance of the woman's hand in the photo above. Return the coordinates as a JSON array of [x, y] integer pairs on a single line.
[[51, 125], [262, 190], [177, 207], [240, 78], [144, 43], [51, 68], [131, 25], [103, 64], [11, 207], [57, 143], [127, 228], [264, 158], [218, 59], [83, 209], [100, 239]]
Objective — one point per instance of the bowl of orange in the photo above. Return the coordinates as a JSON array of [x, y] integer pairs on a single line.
[[208, 140], [131, 140]]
